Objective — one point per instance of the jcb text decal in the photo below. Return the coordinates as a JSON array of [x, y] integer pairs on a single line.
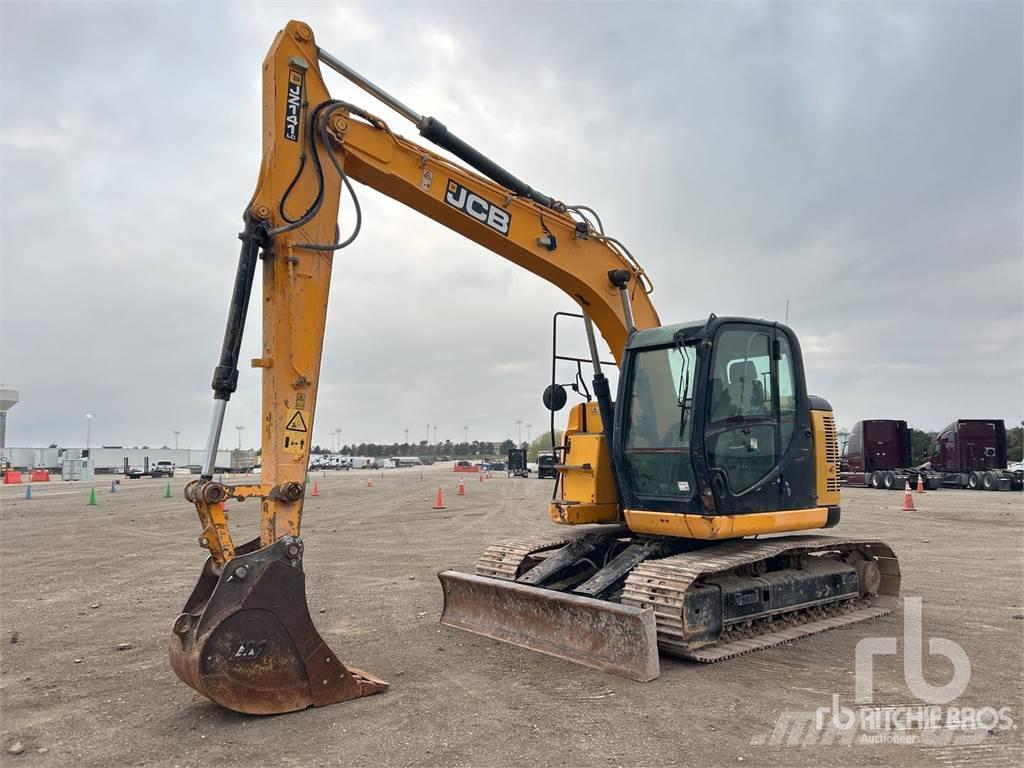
[[292, 106], [470, 203]]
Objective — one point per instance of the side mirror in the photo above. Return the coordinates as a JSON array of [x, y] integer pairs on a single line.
[[554, 397]]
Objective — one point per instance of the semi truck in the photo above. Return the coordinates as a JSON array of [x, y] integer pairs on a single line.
[[877, 454], [971, 453], [516, 466], [546, 466]]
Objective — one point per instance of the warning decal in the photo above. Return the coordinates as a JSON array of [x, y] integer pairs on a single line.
[[296, 423], [294, 445]]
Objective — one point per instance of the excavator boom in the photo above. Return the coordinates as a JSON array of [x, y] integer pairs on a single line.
[[245, 638]]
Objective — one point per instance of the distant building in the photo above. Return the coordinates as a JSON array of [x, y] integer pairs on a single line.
[[112, 460]]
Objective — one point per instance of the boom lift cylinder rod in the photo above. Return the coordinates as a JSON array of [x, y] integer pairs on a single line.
[[592, 342], [435, 131], [620, 279], [602, 390]]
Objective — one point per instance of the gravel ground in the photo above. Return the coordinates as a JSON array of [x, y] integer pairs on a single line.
[[77, 581]]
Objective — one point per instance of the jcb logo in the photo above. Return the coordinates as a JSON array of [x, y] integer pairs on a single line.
[[250, 650], [457, 196]]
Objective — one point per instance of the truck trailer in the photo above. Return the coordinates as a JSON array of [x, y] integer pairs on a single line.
[[243, 460], [971, 453], [877, 454]]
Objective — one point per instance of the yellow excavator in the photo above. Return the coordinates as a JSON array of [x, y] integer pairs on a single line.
[[674, 496]]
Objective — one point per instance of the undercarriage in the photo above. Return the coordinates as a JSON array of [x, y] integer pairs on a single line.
[[610, 599]]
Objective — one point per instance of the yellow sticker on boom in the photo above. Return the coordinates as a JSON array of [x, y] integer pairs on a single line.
[[296, 421]]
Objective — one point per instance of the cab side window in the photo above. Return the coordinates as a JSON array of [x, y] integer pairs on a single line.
[[787, 393]]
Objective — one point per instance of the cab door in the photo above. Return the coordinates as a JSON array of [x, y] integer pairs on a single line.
[[750, 414]]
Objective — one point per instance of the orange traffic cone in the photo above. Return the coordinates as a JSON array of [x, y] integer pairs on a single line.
[[481, 476], [908, 499], [316, 488], [920, 483], [369, 482], [439, 503], [462, 488]]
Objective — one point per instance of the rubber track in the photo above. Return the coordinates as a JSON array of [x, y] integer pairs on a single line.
[[662, 584]]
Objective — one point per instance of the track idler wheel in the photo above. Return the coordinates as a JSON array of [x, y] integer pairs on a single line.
[[246, 641]]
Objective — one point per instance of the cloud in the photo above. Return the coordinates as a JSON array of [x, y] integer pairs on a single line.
[[861, 160]]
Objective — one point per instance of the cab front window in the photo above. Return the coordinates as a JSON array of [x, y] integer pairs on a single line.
[[658, 419]]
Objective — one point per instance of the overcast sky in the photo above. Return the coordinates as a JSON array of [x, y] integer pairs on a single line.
[[862, 160]]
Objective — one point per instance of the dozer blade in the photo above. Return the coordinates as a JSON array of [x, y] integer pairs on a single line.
[[246, 641], [599, 634]]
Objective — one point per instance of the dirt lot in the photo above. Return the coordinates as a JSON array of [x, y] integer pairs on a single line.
[[79, 580]]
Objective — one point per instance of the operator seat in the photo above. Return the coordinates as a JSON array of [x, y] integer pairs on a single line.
[[721, 401], [746, 389]]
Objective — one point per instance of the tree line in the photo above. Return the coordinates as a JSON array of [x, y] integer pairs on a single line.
[[477, 449]]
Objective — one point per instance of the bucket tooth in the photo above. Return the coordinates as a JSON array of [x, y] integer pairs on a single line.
[[596, 633], [246, 641]]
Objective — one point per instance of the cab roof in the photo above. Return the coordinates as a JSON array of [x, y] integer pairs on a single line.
[[658, 337]]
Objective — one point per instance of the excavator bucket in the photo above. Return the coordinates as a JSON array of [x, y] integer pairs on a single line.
[[596, 633], [246, 641]]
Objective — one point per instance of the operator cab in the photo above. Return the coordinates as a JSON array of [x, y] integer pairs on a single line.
[[737, 382]]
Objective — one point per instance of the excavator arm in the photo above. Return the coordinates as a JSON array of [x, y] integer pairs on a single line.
[[242, 640]]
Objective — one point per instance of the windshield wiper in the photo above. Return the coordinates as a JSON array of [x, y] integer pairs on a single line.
[[681, 399]]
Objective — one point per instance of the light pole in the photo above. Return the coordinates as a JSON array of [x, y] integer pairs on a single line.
[[528, 428], [88, 430], [239, 428], [406, 435], [176, 433], [428, 434], [337, 434], [435, 434]]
